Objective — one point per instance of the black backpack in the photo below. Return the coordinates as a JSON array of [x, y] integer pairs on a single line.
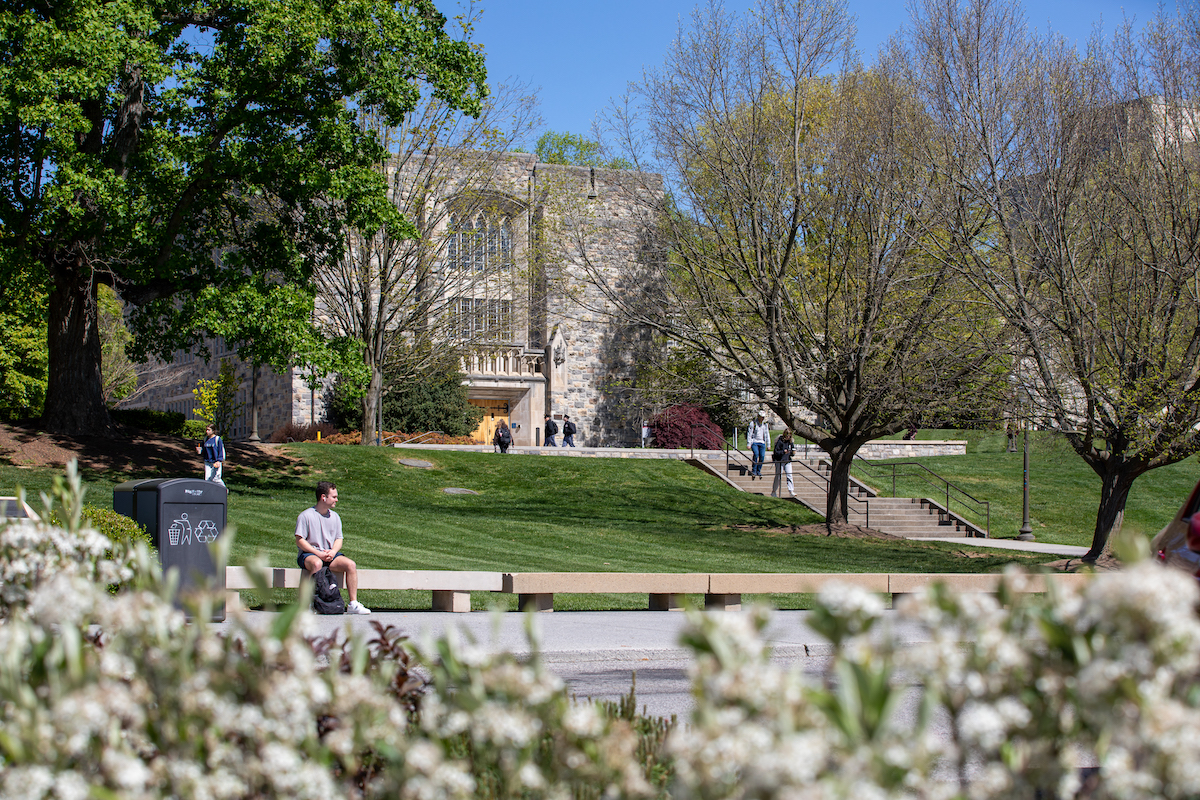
[[327, 597], [505, 437], [568, 428]]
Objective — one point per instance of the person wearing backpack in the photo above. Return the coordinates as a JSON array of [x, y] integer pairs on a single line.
[[319, 540], [782, 455], [568, 431], [503, 437], [759, 437], [551, 431]]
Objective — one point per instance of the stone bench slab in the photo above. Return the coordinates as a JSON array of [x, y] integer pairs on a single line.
[[536, 590], [451, 589], [791, 583]]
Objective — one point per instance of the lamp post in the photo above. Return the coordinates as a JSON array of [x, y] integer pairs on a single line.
[[1026, 532]]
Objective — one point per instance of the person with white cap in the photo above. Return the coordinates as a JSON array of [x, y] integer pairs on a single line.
[[759, 437]]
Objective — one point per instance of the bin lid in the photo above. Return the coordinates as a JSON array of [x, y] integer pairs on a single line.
[[189, 490], [129, 486]]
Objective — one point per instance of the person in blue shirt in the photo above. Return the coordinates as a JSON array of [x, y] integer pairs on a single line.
[[213, 451], [759, 436]]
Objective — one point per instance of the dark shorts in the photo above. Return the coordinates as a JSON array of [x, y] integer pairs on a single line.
[[301, 555]]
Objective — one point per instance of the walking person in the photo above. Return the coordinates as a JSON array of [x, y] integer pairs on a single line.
[[319, 540], [785, 451], [759, 436], [213, 451], [569, 430], [551, 431], [503, 437]]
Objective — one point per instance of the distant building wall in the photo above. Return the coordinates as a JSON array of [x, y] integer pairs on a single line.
[[576, 230]]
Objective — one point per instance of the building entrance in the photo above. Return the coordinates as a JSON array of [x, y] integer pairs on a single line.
[[494, 412]]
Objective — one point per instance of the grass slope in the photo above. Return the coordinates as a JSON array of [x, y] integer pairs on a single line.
[[561, 515], [540, 514], [1064, 492], [556, 514]]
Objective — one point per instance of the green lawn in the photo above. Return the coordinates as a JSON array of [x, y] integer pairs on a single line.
[[1064, 492], [537, 513], [633, 515]]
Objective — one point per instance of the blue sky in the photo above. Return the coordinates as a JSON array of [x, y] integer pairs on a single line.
[[581, 53]]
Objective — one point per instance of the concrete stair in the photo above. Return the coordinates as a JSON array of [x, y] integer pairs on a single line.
[[899, 516]]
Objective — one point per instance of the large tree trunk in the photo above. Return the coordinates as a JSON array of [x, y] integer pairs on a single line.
[[1115, 484], [370, 403], [74, 390], [837, 502]]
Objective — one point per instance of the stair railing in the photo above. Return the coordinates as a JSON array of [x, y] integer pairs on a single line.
[[414, 440], [809, 473], [945, 489]]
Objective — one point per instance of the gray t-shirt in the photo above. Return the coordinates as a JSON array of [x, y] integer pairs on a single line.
[[321, 532]]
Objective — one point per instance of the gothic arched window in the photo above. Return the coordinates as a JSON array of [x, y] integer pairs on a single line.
[[480, 243]]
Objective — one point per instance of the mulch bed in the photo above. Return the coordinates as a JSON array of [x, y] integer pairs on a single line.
[[841, 531], [132, 452]]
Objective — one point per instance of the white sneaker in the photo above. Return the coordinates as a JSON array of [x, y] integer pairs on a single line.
[[357, 608]]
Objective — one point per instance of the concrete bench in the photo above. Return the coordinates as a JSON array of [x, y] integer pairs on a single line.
[[902, 583], [451, 589], [725, 589], [536, 590], [721, 590]]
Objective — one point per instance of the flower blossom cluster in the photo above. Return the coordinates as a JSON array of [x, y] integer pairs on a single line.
[[116, 694], [1005, 696], [32, 552]]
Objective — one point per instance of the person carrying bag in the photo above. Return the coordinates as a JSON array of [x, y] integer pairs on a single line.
[[782, 455]]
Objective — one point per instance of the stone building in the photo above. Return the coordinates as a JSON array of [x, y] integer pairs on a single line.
[[528, 277]]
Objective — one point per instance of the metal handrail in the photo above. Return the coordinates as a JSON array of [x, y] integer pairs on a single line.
[[692, 436], [982, 507], [823, 485], [413, 439]]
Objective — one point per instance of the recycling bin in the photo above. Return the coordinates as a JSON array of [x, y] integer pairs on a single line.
[[124, 495], [183, 516]]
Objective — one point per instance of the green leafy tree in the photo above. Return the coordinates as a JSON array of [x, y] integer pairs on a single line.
[[1077, 216], [269, 325], [140, 137], [671, 377], [117, 370], [22, 339], [575, 150], [792, 229], [216, 399], [433, 400]]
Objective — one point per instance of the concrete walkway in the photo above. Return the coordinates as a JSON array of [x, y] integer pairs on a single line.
[[1010, 544], [565, 636]]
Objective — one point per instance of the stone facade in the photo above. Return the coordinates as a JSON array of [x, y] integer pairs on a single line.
[[575, 235]]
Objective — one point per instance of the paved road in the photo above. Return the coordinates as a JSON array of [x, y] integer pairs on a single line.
[[597, 652]]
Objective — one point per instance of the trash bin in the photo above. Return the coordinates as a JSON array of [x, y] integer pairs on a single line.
[[124, 497], [183, 516]]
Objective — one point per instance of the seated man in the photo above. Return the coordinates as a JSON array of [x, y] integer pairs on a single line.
[[319, 537]]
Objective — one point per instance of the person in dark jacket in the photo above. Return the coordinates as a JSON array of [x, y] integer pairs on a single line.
[[568, 432], [551, 431], [503, 437], [213, 451], [782, 455]]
